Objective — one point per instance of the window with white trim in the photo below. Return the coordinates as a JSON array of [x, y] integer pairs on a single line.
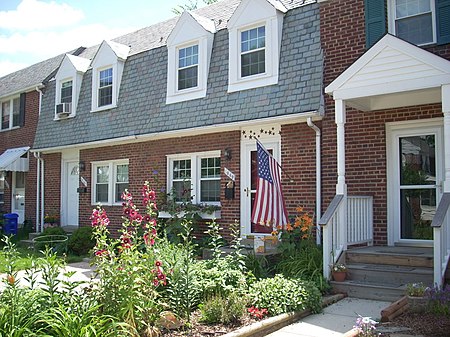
[[66, 92], [10, 113], [254, 32], [413, 20], [188, 67], [105, 87], [109, 181], [195, 177], [253, 51]]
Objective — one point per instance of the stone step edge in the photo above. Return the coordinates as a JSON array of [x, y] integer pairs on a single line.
[[376, 267], [356, 283], [275, 323]]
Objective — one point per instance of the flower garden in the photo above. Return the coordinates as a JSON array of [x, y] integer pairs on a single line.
[[150, 285]]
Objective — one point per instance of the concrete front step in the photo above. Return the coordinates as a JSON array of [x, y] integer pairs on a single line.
[[393, 274], [396, 256], [370, 290]]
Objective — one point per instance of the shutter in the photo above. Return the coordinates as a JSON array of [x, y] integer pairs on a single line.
[[375, 18], [443, 21], [22, 109]]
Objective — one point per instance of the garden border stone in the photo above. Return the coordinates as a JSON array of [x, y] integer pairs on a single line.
[[275, 323]]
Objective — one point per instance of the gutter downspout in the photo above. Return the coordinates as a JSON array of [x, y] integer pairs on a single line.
[[39, 192], [40, 99], [318, 178]]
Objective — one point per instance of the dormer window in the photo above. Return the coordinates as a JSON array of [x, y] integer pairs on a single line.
[[105, 87], [68, 84], [253, 51], [107, 69], [66, 92], [189, 48], [188, 67], [255, 43]]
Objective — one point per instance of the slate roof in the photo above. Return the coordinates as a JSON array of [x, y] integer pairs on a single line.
[[141, 106]]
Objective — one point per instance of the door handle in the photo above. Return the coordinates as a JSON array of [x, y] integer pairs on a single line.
[[247, 191]]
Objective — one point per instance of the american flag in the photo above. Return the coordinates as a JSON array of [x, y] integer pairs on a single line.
[[269, 208]]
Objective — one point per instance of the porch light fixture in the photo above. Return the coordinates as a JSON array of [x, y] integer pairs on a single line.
[[227, 153], [81, 166]]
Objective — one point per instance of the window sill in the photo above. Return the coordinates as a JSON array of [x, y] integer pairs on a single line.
[[207, 216], [252, 82], [103, 108], [13, 128], [64, 118]]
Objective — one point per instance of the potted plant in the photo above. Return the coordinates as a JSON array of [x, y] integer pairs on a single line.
[[416, 294], [339, 272]]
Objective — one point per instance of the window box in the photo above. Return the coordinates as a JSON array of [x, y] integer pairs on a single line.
[[208, 216]]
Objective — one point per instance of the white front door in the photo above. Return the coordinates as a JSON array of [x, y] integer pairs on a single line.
[[70, 200], [417, 173], [249, 178], [18, 195]]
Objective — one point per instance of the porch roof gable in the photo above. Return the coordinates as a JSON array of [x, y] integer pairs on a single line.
[[392, 73]]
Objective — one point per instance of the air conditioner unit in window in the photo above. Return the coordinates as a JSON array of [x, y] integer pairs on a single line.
[[63, 109]]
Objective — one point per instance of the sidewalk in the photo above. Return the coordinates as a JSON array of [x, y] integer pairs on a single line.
[[335, 320]]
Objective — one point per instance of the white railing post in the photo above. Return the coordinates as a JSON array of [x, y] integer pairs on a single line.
[[327, 249], [341, 187], [437, 237]]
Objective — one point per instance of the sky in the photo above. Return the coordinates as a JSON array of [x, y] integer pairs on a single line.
[[34, 30]]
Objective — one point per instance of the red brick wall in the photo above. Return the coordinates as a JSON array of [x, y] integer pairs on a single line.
[[52, 183], [148, 156], [343, 41], [24, 136]]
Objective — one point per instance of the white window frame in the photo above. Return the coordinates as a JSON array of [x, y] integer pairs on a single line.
[[195, 173], [61, 88], [273, 28], [250, 51], [392, 19], [112, 164], [96, 88], [11, 113], [182, 68], [2, 189]]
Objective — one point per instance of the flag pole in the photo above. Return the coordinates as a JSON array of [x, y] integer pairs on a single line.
[[279, 165]]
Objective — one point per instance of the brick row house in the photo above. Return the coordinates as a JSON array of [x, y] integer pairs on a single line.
[[351, 97], [387, 85], [186, 98], [20, 96]]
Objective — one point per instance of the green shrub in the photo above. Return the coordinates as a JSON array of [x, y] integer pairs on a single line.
[[81, 242], [223, 309], [306, 264], [281, 295]]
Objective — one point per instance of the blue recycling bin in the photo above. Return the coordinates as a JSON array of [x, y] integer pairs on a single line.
[[10, 223]]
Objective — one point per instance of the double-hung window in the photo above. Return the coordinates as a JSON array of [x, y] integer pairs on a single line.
[[66, 92], [188, 67], [253, 49], [110, 179], [414, 20], [2, 190], [10, 113], [105, 87], [195, 177]]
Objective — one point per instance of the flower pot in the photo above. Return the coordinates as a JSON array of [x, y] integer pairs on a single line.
[[339, 276], [417, 303]]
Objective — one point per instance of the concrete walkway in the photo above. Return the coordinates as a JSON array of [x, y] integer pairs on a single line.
[[335, 320]]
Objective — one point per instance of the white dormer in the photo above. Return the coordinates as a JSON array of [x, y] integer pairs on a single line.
[[255, 30], [68, 83], [189, 53], [107, 69]]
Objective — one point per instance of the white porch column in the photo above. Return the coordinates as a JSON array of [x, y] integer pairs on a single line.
[[341, 187], [340, 123], [446, 111]]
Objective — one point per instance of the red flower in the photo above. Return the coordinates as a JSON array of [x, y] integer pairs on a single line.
[[158, 263]]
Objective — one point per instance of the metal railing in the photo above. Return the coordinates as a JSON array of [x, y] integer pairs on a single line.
[[441, 238], [333, 239], [359, 220]]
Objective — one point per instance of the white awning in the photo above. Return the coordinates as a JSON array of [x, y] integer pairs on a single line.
[[11, 160]]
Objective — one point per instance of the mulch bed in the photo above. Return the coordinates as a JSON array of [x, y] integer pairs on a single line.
[[426, 324]]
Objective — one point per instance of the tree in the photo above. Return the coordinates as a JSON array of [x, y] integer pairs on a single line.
[[191, 5]]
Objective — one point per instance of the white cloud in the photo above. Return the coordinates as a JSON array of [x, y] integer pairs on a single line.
[[47, 44], [35, 14], [7, 67]]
